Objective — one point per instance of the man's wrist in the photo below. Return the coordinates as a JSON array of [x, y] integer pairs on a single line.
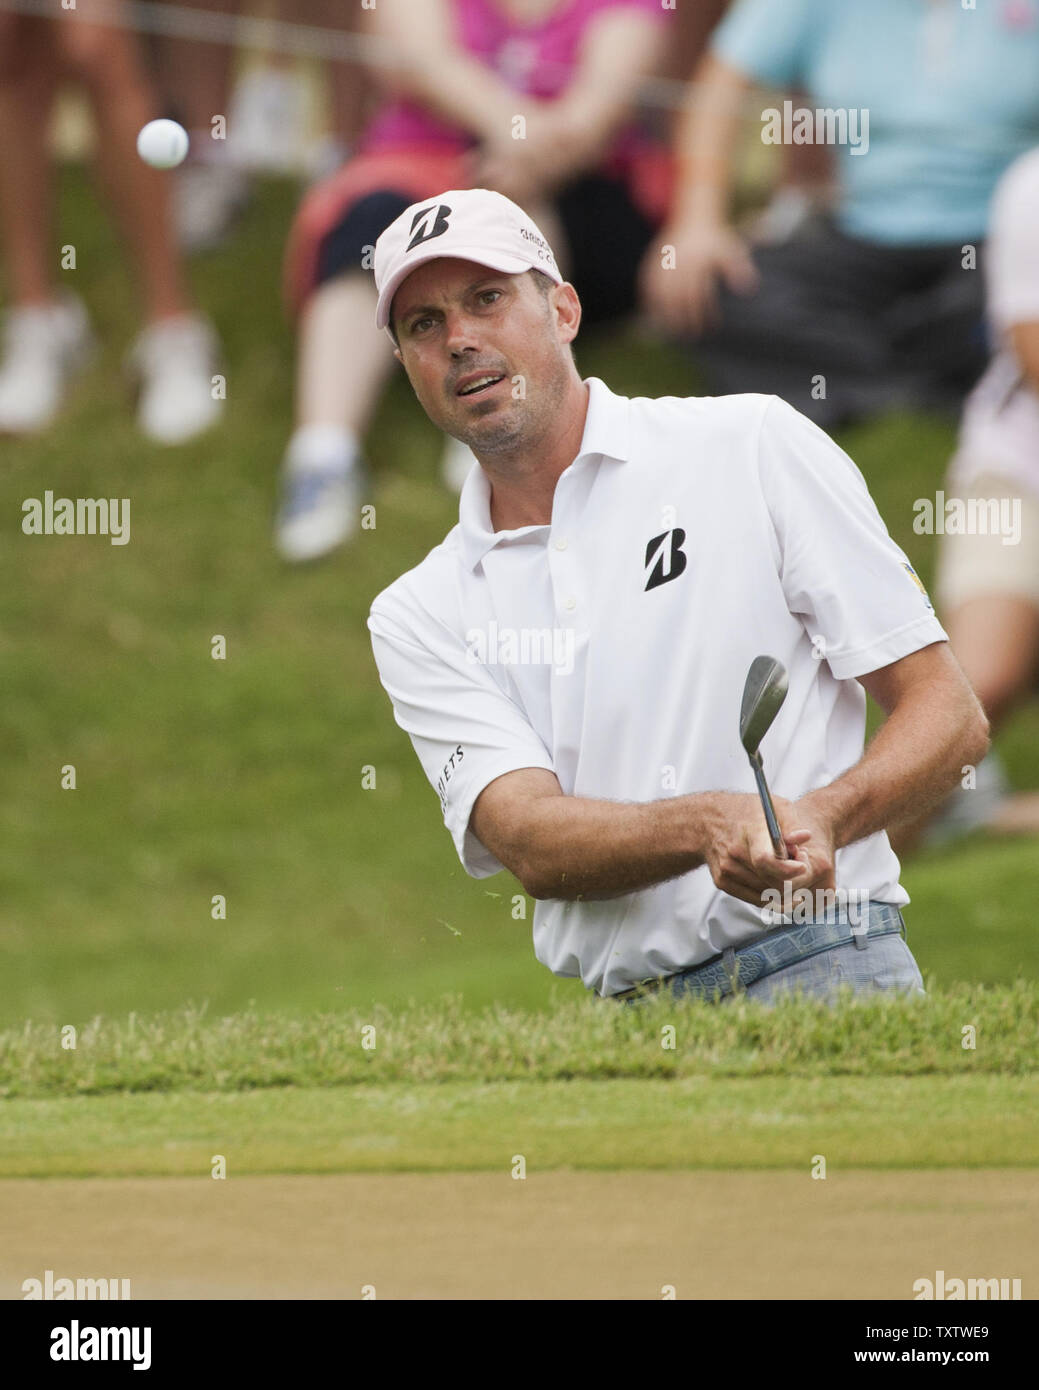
[[832, 804]]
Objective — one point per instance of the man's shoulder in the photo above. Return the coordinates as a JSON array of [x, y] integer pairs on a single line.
[[738, 411], [713, 427], [418, 589]]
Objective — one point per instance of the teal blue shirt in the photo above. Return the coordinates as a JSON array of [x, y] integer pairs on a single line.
[[952, 96]]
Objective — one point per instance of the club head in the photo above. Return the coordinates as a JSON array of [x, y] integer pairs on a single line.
[[763, 694]]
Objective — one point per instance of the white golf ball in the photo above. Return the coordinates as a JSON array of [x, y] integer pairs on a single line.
[[163, 144]]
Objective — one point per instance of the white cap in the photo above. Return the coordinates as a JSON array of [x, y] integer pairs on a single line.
[[472, 224]]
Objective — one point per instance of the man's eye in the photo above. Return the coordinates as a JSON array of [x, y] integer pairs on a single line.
[[490, 295], [419, 326]]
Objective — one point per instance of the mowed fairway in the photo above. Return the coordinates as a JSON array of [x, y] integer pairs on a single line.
[[503, 1136]]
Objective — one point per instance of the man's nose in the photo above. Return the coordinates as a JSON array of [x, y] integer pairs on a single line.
[[461, 334]]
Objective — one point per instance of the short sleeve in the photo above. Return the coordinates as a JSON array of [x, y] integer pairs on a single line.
[[768, 41], [1012, 250], [855, 590], [465, 730]]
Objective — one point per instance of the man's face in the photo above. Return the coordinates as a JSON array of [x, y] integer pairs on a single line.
[[458, 324]]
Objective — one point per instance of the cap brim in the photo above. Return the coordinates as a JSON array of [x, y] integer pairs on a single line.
[[508, 265]]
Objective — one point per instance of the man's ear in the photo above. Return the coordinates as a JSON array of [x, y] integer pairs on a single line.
[[568, 310], [396, 353]]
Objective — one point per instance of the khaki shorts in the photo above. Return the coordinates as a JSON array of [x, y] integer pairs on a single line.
[[981, 565]]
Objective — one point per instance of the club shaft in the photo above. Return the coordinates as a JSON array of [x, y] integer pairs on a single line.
[[778, 843]]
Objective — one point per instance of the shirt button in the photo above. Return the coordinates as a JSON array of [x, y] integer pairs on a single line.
[[570, 604], [561, 543]]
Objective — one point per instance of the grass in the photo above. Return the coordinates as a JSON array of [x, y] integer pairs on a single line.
[[347, 907], [243, 777], [693, 1122], [444, 1043]]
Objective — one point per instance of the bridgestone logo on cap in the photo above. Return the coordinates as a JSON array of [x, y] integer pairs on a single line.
[[438, 228]]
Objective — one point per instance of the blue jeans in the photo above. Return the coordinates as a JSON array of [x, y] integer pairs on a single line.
[[877, 963]]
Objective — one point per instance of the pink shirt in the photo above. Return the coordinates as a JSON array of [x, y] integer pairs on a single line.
[[536, 59]]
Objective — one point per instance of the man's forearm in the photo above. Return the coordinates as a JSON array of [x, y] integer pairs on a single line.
[[915, 759], [590, 849], [706, 141]]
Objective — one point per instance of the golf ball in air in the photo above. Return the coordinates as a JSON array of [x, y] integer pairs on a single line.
[[163, 144]]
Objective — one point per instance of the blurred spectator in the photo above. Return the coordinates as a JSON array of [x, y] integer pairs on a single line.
[[988, 578], [465, 73], [47, 334], [195, 80], [272, 123], [352, 91], [873, 306]]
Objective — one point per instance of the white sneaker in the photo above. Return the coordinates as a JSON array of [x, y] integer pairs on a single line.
[[43, 349], [456, 463], [322, 486], [174, 361]]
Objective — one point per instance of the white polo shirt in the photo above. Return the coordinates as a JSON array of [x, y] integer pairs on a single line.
[[687, 537]]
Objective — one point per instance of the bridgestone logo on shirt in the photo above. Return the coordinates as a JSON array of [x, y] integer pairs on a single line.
[[671, 562]]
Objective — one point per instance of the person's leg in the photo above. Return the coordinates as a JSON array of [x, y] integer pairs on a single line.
[[176, 356], [988, 599], [194, 77], [107, 61], [343, 362], [996, 640], [987, 589], [46, 331], [352, 91], [28, 79]]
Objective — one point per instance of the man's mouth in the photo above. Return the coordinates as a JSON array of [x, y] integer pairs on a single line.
[[472, 386]]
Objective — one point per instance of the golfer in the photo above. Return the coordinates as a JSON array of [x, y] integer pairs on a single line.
[[569, 661]]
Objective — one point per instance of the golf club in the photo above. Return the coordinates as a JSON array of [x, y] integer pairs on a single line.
[[763, 694]]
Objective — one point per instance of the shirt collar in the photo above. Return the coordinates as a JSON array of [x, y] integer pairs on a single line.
[[606, 433]]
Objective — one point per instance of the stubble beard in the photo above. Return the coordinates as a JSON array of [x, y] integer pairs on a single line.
[[516, 430]]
